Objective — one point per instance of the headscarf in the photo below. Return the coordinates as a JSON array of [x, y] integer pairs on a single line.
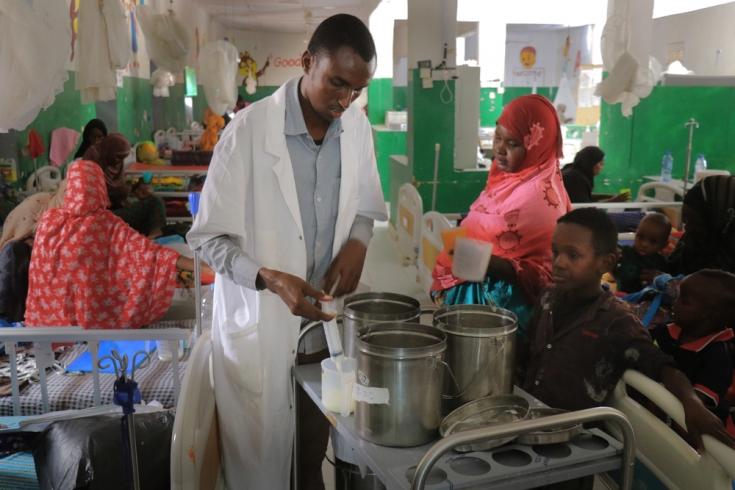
[[586, 159], [517, 212], [712, 243], [89, 268], [87, 136], [106, 154]]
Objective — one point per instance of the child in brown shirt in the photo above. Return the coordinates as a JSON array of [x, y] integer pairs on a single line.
[[583, 339]]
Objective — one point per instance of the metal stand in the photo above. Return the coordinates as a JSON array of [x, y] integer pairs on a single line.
[[692, 124], [194, 209]]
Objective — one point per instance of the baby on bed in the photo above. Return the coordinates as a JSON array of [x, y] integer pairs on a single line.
[[639, 264], [89, 268]]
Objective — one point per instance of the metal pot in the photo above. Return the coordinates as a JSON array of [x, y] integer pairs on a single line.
[[480, 351], [368, 308], [400, 370]]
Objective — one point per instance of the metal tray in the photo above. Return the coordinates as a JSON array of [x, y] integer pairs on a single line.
[[485, 412], [555, 435]]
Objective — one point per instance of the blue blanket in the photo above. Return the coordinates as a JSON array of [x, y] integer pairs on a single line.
[[83, 363]]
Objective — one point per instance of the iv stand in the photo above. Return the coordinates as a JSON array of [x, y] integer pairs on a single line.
[[692, 124]]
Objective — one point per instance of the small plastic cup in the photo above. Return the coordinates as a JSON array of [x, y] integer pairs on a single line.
[[337, 385], [471, 259]]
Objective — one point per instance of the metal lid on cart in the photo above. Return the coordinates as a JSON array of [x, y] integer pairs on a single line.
[[381, 307], [401, 340], [476, 320]]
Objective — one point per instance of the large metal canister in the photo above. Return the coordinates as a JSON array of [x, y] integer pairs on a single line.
[[367, 308], [400, 370], [480, 352]]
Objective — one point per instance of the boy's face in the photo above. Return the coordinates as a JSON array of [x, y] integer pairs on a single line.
[[650, 237], [576, 266]]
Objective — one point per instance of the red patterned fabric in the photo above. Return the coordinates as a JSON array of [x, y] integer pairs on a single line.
[[517, 211], [89, 268]]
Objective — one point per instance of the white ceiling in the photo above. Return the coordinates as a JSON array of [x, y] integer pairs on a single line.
[[282, 15]]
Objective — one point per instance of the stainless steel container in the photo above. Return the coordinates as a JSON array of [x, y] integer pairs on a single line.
[[400, 370], [367, 308], [480, 352]]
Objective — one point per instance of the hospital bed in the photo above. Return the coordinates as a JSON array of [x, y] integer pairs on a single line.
[[410, 209], [430, 245], [661, 450], [57, 391]]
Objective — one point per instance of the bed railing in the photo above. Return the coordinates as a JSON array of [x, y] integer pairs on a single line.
[[622, 206], [42, 339]]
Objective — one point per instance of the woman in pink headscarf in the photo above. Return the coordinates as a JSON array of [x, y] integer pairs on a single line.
[[516, 212], [89, 268]]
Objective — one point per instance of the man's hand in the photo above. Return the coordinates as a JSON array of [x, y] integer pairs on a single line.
[[346, 268], [700, 421], [293, 291]]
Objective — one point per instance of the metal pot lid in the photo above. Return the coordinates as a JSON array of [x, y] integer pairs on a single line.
[[401, 340], [554, 435], [381, 307], [485, 412], [476, 320]]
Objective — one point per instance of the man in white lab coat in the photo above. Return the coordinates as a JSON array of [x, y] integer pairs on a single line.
[[286, 213]]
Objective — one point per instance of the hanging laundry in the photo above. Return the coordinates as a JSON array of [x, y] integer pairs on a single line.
[[104, 47], [35, 146], [36, 43], [166, 38], [63, 142], [218, 64]]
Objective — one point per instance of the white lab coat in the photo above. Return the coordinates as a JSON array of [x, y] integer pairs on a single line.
[[250, 194]]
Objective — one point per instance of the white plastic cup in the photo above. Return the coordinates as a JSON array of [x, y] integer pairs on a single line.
[[471, 259], [337, 385], [165, 349]]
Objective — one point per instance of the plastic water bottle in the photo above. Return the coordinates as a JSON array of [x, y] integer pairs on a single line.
[[667, 166], [207, 308], [701, 165]]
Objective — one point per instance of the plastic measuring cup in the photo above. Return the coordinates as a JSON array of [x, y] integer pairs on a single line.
[[337, 385], [471, 259]]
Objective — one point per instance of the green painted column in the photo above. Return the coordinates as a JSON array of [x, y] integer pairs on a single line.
[[431, 121], [380, 99]]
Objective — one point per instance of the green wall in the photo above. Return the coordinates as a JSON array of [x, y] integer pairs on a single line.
[[135, 109], [380, 99], [634, 146], [515, 92], [261, 92], [490, 108], [387, 143], [400, 96]]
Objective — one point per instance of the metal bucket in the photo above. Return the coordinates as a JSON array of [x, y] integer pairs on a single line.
[[367, 308], [480, 351], [400, 370]]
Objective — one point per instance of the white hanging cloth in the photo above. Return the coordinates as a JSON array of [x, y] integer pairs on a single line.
[[166, 38], [103, 47], [218, 64], [36, 44], [161, 81], [626, 48]]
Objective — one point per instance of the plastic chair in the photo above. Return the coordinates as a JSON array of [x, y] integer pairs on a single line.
[[663, 191], [410, 210], [707, 173], [661, 450], [195, 458], [432, 225]]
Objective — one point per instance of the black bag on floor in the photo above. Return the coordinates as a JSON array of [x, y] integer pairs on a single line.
[[87, 453]]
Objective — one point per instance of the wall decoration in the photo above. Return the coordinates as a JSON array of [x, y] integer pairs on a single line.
[[528, 57]]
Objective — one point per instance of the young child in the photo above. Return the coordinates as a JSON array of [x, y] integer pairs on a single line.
[[699, 340], [643, 261], [583, 338]]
